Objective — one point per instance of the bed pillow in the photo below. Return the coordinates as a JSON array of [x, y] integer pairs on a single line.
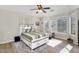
[[28, 29]]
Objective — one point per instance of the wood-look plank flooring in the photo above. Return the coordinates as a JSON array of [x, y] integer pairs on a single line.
[[7, 48], [20, 47]]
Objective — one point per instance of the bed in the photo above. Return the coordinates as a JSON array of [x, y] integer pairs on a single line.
[[34, 39]]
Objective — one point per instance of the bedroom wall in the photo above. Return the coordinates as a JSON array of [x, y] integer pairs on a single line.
[[9, 25], [33, 19]]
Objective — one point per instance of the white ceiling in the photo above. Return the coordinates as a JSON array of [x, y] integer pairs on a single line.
[[58, 9]]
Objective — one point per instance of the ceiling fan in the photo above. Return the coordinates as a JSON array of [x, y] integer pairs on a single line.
[[41, 8]]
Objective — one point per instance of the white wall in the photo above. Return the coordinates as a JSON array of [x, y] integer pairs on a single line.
[[8, 26]]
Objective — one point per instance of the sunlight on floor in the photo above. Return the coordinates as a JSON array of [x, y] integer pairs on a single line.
[[54, 42], [66, 49]]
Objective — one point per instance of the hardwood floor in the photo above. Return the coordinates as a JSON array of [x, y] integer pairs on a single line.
[[53, 46], [7, 48]]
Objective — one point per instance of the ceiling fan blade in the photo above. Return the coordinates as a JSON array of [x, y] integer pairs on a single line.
[[46, 8], [44, 11]]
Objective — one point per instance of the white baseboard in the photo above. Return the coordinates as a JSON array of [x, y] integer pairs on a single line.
[[75, 43], [6, 41]]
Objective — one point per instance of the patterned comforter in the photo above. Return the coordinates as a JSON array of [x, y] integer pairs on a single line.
[[33, 36]]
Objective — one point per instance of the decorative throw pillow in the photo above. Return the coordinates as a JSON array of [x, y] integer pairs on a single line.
[[26, 30]]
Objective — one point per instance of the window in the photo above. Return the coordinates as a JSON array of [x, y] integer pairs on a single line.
[[62, 25]]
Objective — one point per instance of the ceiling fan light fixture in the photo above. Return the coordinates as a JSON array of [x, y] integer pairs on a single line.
[[40, 8], [39, 11]]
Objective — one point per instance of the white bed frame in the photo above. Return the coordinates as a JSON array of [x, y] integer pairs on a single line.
[[36, 44]]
